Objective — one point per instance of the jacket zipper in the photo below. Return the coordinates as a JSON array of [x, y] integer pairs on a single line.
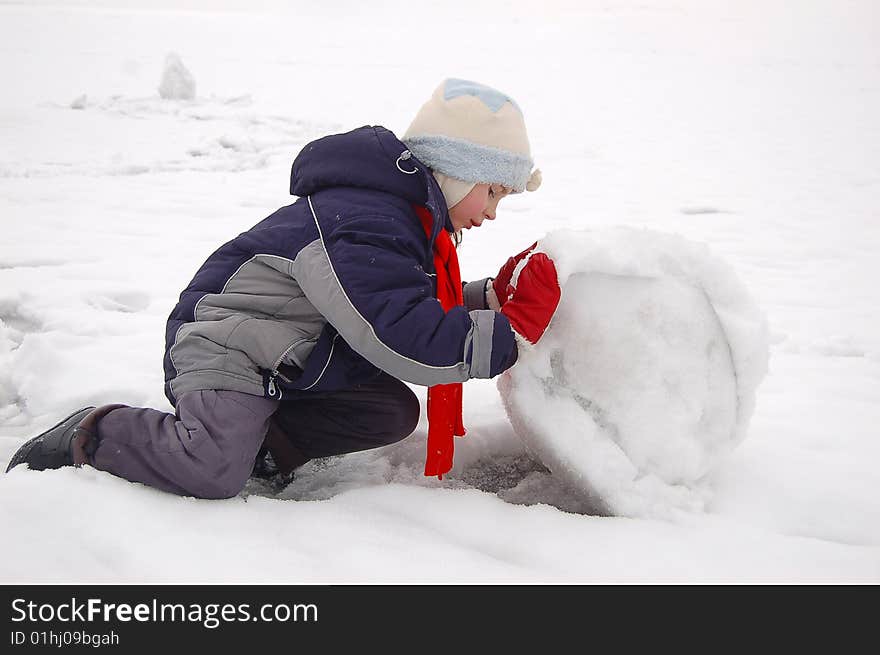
[[326, 364], [274, 392], [273, 389]]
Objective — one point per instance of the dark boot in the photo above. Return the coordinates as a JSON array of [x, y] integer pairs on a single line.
[[70, 443], [278, 458], [264, 466]]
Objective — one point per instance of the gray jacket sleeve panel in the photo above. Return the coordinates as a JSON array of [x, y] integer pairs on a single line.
[[475, 294], [481, 343]]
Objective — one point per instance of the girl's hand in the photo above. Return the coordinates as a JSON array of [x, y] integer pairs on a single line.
[[531, 304], [502, 280]]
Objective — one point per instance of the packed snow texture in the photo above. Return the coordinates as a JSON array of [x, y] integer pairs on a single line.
[[646, 377], [750, 127], [177, 82]]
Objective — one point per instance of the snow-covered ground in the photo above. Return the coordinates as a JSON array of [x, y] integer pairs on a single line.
[[749, 126]]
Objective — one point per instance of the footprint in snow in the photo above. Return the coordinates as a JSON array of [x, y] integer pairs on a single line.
[[120, 301]]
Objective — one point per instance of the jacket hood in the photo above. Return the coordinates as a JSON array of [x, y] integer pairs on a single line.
[[369, 157], [366, 157]]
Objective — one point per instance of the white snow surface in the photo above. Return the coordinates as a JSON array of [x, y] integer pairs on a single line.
[[646, 376], [750, 128]]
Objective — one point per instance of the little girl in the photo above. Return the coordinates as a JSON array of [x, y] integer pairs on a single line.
[[296, 337]]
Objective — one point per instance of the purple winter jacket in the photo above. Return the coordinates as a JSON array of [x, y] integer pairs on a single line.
[[328, 291]]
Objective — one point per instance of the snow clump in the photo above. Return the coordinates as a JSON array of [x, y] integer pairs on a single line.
[[177, 82]]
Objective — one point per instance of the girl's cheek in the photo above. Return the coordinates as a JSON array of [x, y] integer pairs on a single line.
[[473, 208], [482, 205]]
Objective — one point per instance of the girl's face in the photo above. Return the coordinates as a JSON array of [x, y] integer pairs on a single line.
[[477, 206]]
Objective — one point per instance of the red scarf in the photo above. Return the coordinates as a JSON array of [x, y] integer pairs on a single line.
[[444, 400]]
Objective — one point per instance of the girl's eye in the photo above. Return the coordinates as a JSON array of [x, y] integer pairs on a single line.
[[491, 192]]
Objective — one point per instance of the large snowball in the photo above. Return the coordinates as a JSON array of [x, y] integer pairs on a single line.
[[647, 374]]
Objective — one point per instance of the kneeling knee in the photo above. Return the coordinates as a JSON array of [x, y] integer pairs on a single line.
[[225, 483], [406, 417]]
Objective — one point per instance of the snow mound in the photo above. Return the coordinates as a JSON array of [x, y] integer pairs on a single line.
[[177, 82], [646, 376]]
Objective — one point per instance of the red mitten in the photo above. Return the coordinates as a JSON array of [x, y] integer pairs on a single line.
[[534, 299], [502, 280]]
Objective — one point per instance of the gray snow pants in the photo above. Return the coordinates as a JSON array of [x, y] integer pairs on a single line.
[[208, 448]]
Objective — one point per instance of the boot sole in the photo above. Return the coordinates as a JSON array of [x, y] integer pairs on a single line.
[[21, 455]]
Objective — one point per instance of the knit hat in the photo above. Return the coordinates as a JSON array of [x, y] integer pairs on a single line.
[[453, 190], [473, 133]]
